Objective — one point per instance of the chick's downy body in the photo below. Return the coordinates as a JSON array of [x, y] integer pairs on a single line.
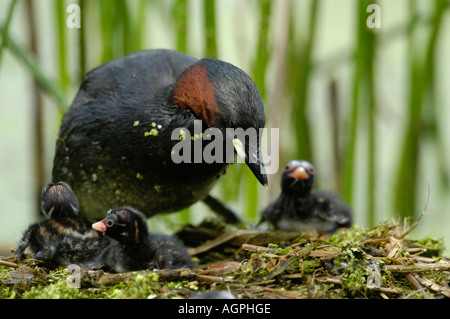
[[64, 237], [115, 141], [135, 248], [300, 208]]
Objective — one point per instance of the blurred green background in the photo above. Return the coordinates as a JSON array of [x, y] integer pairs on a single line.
[[369, 107]]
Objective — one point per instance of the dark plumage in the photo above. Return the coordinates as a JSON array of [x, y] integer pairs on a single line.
[[136, 249], [65, 237], [300, 208], [115, 144]]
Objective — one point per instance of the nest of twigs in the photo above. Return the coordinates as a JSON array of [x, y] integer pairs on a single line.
[[379, 262]]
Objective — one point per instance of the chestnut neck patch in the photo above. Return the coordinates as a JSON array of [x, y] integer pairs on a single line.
[[195, 91]]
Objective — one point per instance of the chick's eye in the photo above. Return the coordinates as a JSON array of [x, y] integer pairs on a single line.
[[311, 170], [109, 223]]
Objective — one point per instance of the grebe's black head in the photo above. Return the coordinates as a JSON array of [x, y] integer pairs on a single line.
[[58, 199], [298, 178], [225, 97], [125, 224]]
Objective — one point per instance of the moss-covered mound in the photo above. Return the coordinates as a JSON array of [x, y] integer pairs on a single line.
[[379, 262]]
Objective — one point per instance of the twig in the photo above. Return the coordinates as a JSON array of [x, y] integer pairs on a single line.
[[210, 279], [95, 278], [434, 286], [324, 253], [423, 259], [221, 240], [413, 281], [418, 267], [293, 276], [8, 263], [312, 253], [373, 241], [414, 225], [285, 263], [284, 293], [335, 280], [254, 248], [221, 268]]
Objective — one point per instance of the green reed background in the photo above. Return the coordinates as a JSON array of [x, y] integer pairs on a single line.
[[279, 53]]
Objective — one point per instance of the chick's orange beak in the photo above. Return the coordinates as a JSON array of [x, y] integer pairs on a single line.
[[100, 226], [299, 173]]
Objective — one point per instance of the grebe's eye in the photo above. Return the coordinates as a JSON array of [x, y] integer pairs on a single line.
[[109, 223], [311, 170]]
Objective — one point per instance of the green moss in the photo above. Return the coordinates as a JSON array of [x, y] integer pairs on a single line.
[[63, 140], [354, 275], [138, 287], [309, 266], [434, 247], [182, 135]]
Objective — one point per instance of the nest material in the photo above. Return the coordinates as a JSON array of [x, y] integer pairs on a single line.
[[353, 263]]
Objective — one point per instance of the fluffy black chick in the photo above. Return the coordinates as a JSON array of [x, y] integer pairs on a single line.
[[115, 143], [136, 249], [64, 238], [300, 208]]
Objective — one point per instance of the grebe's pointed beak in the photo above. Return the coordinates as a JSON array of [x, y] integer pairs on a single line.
[[99, 226]]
